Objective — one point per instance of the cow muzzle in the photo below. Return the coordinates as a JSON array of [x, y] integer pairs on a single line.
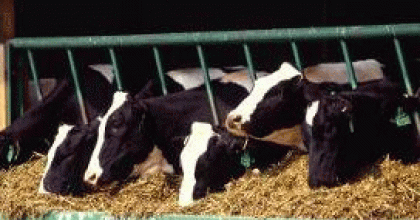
[[91, 178], [236, 125]]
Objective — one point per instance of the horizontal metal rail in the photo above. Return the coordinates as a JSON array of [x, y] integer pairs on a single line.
[[222, 37]]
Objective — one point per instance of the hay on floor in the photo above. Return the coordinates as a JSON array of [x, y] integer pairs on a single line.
[[392, 191]]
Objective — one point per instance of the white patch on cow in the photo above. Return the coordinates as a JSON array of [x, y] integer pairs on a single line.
[[262, 86], [195, 147], [94, 170], [193, 77], [63, 130], [106, 70], [311, 112], [242, 79]]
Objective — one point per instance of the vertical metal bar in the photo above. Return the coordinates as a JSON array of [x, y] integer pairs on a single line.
[[34, 75], [251, 69], [406, 78], [160, 70], [77, 86], [115, 68], [9, 83], [20, 87], [207, 85], [295, 50], [349, 65], [403, 67]]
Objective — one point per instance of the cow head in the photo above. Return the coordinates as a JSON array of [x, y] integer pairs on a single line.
[[122, 141], [211, 158], [68, 158], [207, 162], [275, 103], [330, 124], [350, 131]]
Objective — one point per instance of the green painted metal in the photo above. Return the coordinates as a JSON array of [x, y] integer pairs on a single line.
[[349, 65], [406, 78], [295, 51], [78, 90], [248, 57], [223, 37], [160, 70], [115, 68], [206, 76], [34, 75], [9, 82]]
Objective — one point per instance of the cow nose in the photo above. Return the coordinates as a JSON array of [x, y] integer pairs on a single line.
[[234, 121], [91, 179]]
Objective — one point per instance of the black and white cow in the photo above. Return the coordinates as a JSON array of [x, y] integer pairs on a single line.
[[287, 91], [39, 123], [42, 120], [212, 157], [131, 128], [286, 100], [68, 158], [72, 148], [351, 130]]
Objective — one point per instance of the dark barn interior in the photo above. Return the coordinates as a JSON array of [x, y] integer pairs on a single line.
[[75, 18]]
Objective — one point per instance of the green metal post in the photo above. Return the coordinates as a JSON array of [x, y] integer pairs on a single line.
[[251, 69], [349, 65], [115, 68], [403, 67], [207, 85], [9, 83], [78, 91], [19, 87], [34, 75], [406, 78], [160, 70], [295, 50]]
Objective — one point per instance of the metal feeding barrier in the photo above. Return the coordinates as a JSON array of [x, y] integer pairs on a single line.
[[244, 38]]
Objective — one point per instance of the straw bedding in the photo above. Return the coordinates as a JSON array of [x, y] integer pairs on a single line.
[[390, 190]]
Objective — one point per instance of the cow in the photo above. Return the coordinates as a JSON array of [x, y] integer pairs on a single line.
[[287, 100], [70, 152], [351, 130], [131, 128], [285, 84], [68, 158], [211, 157]]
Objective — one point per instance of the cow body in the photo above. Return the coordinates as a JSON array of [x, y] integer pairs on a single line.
[[131, 128], [333, 118], [285, 91]]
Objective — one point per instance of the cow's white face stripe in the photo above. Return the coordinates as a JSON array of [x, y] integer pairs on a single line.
[[63, 130], [194, 148], [94, 168], [311, 112], [262, 86]]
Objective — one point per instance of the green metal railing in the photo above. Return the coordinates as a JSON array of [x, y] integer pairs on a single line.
[[244, 38], [293, 36]]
